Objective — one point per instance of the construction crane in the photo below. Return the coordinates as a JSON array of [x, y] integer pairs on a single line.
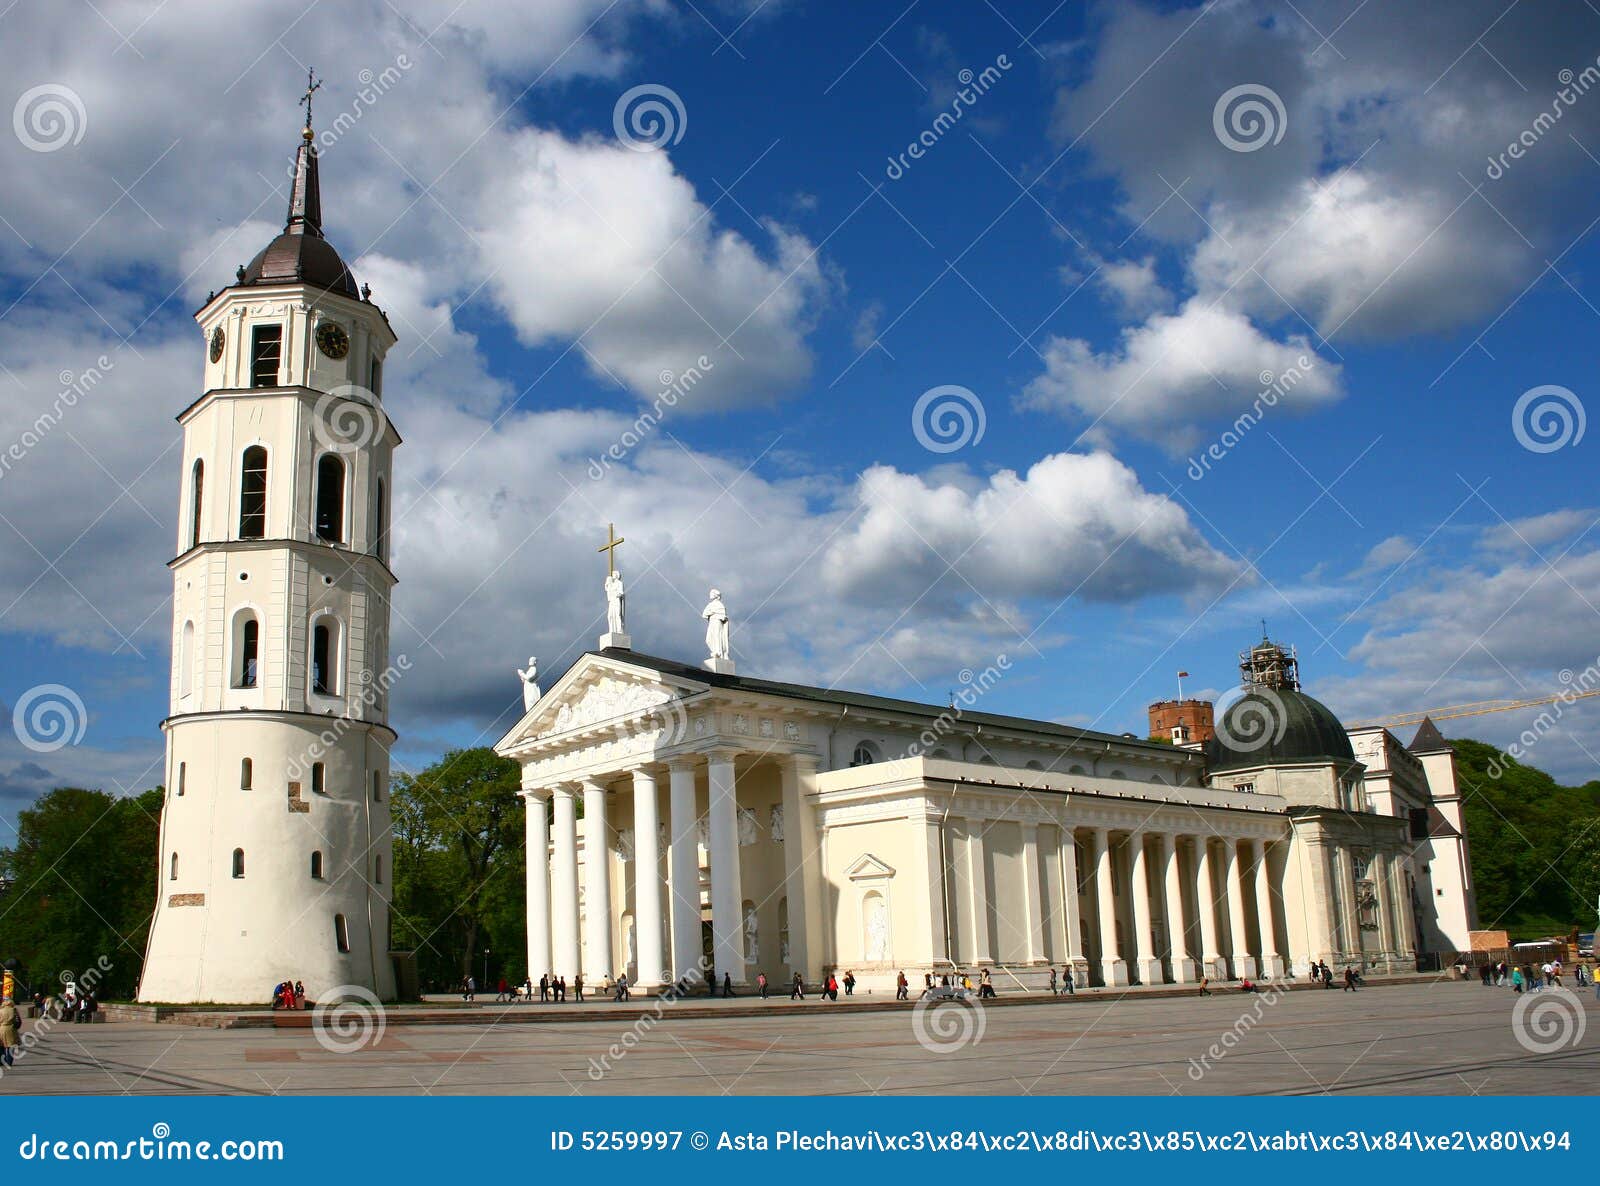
[[1476, 708]]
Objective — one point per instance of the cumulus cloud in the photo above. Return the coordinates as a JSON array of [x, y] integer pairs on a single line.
[[1176, 372], [1133, 285]]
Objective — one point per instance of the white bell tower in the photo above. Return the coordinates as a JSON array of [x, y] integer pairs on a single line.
[[275, 846]]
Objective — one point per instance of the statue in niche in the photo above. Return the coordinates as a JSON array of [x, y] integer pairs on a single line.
[[625, 843], [747, 827], [529, 676], [877, 931], [775, 822], [752, 937]]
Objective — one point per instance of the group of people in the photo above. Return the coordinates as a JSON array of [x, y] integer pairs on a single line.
[[289, 994], [1527, 978]]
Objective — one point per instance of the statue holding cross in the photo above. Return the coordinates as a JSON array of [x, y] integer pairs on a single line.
[[616, 599]]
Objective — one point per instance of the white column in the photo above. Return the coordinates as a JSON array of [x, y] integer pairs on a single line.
[[1271, 958], [538, 876], [1073, 906], [1183, 967], [647, 880], [1239, 941], [596, 885], [1205, 900], [1113, 969], [727, 897], [1030, 893], [799, 777], [564, 884], [978, 894], [684, 859], [1149, 963]]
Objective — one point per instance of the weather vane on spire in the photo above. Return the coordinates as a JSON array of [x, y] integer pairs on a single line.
[[312, 86]]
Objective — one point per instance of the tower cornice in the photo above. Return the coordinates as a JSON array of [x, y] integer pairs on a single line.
[[310, 548]]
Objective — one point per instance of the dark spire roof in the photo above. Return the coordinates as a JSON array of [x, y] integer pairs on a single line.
[[1428, 739], [301, 255]]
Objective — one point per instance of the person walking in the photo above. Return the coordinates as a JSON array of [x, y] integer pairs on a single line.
[[1053, 991], [1205, 982], [10, 1031], [727, 985], [1067, 979], [544, 988], [902, 987], [577, 986], [849, 984], [797, 991], [1349, 978], [761, 984]]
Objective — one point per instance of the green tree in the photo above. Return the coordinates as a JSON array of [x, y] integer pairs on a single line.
[[459, 887], [81, 886]]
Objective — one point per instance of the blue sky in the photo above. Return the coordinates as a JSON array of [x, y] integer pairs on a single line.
[[1082, 252]]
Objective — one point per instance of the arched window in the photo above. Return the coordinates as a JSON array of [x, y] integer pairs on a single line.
[[183, 776], [377, 786], [864, 754], [173, 876], [319, 777], [238, 862], [266, 351], [1034, 764], [253, 493], [247, 770], [330, 498], [380, 523], [377, 869], [341, 933], [186, 660], [196, 492], [376, 375], [246, 650], [325, 657], [316, 864]]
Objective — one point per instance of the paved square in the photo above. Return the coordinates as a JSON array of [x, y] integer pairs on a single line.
[[1444, 1038]]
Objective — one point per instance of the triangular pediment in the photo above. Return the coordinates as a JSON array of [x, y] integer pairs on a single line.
[[869, 868], [599, 692]]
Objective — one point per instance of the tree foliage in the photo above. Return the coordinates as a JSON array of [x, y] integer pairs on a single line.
[[1535, 844], [459, 869], [81, 886]]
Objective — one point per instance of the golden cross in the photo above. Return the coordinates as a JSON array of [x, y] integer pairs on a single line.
[[610, 547], [311, 88]]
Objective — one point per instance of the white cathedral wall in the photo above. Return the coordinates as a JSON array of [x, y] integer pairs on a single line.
[[277, 921]]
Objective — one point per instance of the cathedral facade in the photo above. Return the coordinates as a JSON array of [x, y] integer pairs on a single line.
[[733, 826]]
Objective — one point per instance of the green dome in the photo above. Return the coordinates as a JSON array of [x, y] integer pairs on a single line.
[[1267, 726]]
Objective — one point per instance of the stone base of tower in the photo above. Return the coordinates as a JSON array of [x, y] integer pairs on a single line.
[[276, 881]]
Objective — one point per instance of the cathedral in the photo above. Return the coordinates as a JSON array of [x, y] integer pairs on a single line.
[[730, 826]]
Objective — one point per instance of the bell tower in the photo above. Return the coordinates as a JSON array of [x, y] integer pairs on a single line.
[[275, 845]]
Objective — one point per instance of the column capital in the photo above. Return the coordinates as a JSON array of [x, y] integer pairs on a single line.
[[680, 764], [535, 794], [723, 753], [642, 774], [564, 790], [802, 761]]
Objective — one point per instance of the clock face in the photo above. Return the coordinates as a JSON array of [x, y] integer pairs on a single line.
[[217, 341], [332, 340]]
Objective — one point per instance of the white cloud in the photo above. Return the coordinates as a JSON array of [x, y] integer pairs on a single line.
[[1537, 532], [1133, 285], [1179, 371]]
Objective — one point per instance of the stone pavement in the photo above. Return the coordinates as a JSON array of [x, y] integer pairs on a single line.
[[1431, 1038]]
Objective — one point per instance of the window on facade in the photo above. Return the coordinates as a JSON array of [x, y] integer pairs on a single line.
[[183, 776], [377, 786], [197, 483], [238, 862], [341, 933], [316, 865], [319, 777], [330, 498], [247, 650], [376, 373], [324, 656], [173, 875], [377, 869], [247, 770], [1419, 823], [253, 493], [380, 524], [865, 754], [266, 351], [186, 660], [1249, 788]]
